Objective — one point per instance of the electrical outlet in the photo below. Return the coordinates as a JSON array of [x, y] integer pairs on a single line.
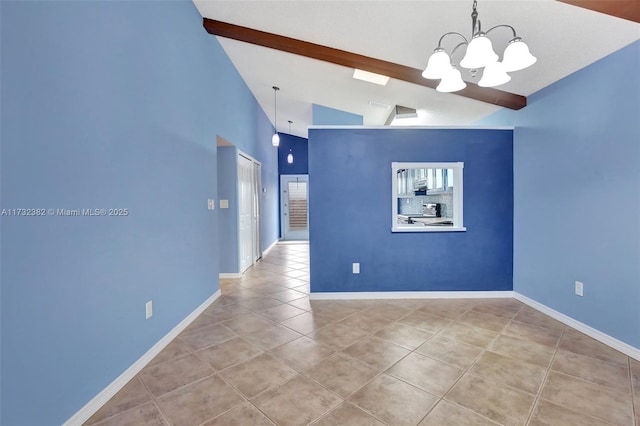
[[579, 288], [211, 204], [356, 268], [148, 307]]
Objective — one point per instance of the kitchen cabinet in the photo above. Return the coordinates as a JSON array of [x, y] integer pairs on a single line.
[[434, 180], [405, 179], [410, 181], [431, 179]]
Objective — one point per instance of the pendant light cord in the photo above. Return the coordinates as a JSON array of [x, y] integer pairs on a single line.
[[275, 108]]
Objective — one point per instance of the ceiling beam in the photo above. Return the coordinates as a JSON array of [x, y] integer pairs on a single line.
[[354, 60], [625, 9]]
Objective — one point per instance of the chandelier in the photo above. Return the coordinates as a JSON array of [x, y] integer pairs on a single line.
[[479, 54]]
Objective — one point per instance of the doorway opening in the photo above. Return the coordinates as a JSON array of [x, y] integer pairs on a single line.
[[294, 198]]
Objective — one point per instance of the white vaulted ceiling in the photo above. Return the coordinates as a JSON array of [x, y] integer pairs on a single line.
[[564, 38]]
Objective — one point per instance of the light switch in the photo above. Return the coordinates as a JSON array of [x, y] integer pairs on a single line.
[[224, 204]]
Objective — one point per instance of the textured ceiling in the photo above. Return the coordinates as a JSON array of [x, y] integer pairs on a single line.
[[564, 38]]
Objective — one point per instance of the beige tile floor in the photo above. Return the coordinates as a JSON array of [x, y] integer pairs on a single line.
[[264, 354]]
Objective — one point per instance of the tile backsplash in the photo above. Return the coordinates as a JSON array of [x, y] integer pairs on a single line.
[[413, 205]]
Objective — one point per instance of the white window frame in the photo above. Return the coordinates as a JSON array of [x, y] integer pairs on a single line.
[[458, 216]]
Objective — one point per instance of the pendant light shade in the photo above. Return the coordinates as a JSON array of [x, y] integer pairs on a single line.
[[494, 75], [290, 157], [479, 53], [451, 81], [517, 56], [438, 65], [275, 139]]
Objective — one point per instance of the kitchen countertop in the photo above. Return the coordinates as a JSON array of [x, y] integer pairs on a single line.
[[424, 221]]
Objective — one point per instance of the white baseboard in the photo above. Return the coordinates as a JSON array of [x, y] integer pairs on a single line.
[[411, 295], [230, 275], [612, 342], [107, 393], [268, 249], [581, 327]]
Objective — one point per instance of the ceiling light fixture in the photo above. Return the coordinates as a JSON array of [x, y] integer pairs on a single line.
[[400, 112], [275, 139], [370, 77], [290, 156], [479, 54]]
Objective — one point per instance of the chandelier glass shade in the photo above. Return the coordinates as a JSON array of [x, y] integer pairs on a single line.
[[479, 54], [451, 81], [439, 63], [494, 75], [517, 56]]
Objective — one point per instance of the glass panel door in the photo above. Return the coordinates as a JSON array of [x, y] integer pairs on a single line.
[[295, 207]]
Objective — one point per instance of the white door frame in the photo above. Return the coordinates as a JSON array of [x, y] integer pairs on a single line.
[[284, 179], [257, 210], [255, 251]]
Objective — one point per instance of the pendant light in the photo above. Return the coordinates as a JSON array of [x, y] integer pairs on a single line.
[[290, 156], [275, 139]]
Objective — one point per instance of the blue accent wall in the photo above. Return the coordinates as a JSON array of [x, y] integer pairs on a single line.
[[323, 115], [350, 212], [299, 148], [109, 105], [577, 156]]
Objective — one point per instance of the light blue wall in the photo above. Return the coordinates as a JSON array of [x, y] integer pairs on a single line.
[[228, 218], [323, 115], [109, 105], [350, 212], [268, 155], [577, 195]]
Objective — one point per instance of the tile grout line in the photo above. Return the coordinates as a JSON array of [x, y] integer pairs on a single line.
[[484, 350], [544, 380], [272, 283], [544, 383], [288, 380], [155, 401], [439, 398], [366, 383], [194, 352]]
